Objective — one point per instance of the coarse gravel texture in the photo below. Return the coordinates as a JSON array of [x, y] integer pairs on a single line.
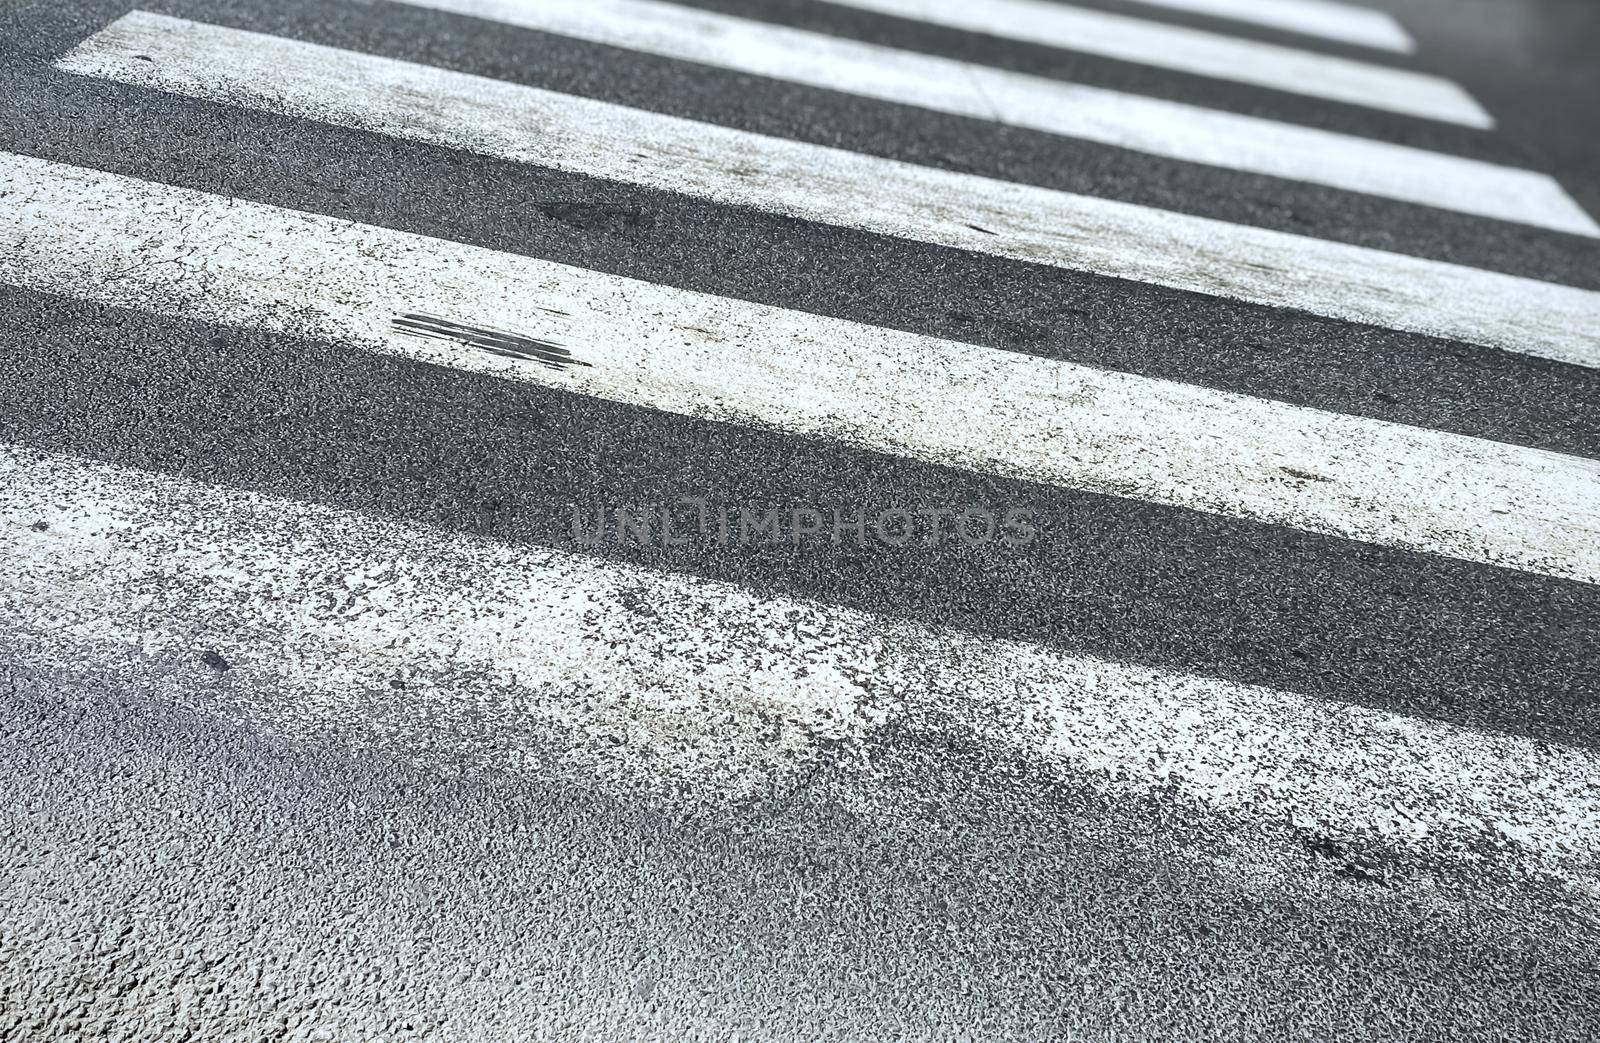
[[176, 877]]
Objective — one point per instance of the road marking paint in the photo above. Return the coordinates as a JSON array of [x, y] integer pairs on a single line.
[[1152, 125], [122, 241], [1201, 53], [1345, 23], [963, 211], [647, 678]]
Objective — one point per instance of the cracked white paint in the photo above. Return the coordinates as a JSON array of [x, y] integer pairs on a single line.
[[1132, 121], [118, 240], [653, 679], [665, 673], [1022, 222]]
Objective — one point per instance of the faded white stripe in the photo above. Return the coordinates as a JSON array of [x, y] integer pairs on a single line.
[[845, 188], [1345, 23], [1199, 52], [340, 622], [1162, 128], [114, 239]]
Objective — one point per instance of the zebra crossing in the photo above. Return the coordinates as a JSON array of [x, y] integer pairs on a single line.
[[1176, 130], [462, 600], [835, 187], [240, 423], [1199, 52], [1006, 414], [1330, 21]]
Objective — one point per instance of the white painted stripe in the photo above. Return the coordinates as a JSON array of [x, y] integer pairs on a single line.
[[964, 211], [1344, 23], [1163, 128], [1196, 51], [109, 238], [713, 690]]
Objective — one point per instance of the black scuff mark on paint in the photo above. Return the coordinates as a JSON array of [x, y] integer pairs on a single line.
[[1305, 476], [143, 58], [40, 526], [495, 342], [979, 228], [703, 331]]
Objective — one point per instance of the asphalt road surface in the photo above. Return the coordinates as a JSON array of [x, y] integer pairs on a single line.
[[780, 520]]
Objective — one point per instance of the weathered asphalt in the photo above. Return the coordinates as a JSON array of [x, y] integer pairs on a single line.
[[176, 870]]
